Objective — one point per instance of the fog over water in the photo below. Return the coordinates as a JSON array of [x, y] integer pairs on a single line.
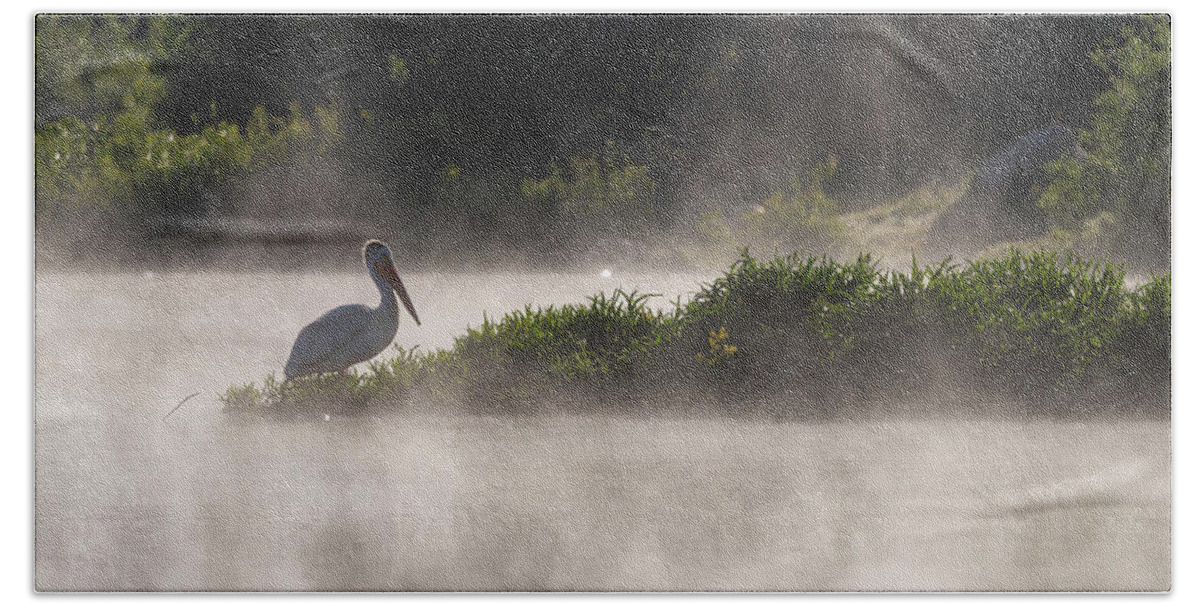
[[427, 499], [204, 185]]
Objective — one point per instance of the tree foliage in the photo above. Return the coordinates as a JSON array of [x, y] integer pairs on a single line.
[[477, 134], [799, 216], [607, 188], [1124, 179], [112, 150]]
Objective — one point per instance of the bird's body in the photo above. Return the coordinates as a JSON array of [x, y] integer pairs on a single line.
[[352, 333]]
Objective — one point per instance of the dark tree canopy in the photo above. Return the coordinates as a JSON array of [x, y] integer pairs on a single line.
[[430, 117]]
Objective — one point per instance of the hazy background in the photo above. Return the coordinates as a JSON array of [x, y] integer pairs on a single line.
[[550, 141]]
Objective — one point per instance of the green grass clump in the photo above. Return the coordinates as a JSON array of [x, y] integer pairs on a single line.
[[350, 392], [608, 335], [1035, 326]]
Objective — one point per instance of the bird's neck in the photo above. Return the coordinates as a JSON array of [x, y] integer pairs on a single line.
[[387, 298]]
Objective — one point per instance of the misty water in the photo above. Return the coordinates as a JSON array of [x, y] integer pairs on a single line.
[[425, 499]]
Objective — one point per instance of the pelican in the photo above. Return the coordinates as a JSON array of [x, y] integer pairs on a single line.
[[353, 333]]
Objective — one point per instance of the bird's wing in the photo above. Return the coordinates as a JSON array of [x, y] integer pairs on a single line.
[[328, 336]]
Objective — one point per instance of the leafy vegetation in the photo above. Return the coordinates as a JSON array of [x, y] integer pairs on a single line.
[[115, 153], [1042, 328], [106, 151], [1117, 197], [798, 216], [574, 146], [899, 229], [114, 160], [605, 189]]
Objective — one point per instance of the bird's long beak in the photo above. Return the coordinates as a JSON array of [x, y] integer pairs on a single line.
[[390, 275]]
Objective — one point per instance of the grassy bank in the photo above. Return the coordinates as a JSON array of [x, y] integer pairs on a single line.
[[1051, 331]]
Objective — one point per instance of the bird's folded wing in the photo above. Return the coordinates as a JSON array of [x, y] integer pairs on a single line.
[[328, 336]]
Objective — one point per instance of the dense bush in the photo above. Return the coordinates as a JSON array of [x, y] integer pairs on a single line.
[[1117, 197], [124, 160], [111, 152], [607, 336], [1036, 327]]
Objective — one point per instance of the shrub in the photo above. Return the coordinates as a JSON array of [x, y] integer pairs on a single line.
[[607, 335], [606, 191], [1035, 326], [100, 143], [1126, 172], [799, 216]]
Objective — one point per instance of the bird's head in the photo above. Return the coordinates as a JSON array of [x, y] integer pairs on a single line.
[[379, 261]]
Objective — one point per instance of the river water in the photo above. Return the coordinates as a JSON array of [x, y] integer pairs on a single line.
[[438, 501]]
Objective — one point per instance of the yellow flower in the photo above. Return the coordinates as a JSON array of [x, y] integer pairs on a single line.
[[718, 351]]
